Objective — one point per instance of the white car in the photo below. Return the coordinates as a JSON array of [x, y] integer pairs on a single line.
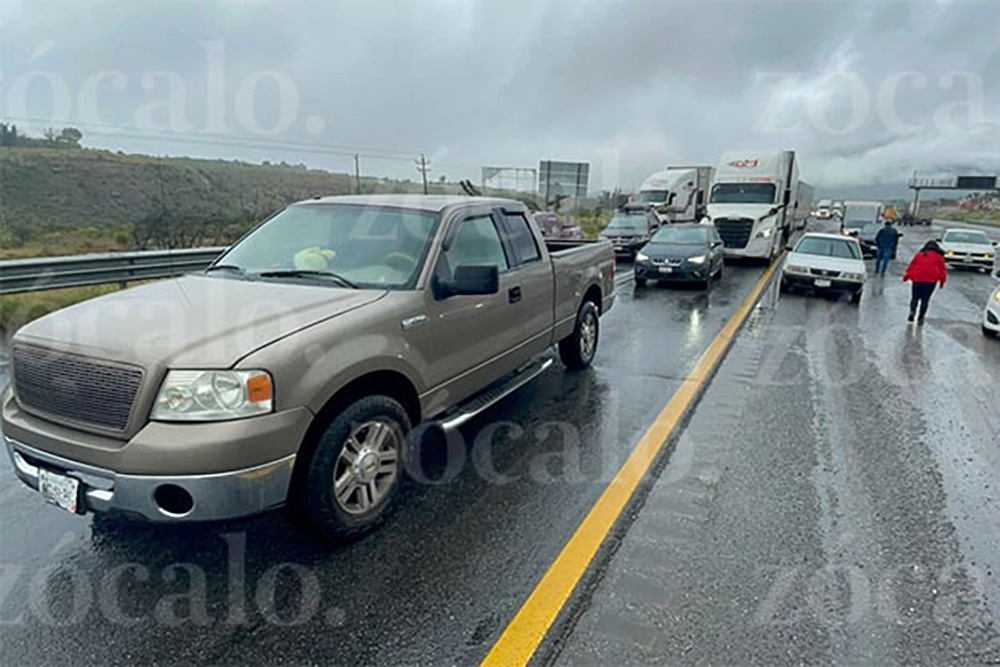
[[991, 314], [830, 263], [969, 248]]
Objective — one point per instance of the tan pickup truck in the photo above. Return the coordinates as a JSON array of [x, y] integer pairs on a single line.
[[293, 370]]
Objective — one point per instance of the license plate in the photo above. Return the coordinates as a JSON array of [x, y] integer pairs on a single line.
[[60, 490], [666, 269], [820, 282]]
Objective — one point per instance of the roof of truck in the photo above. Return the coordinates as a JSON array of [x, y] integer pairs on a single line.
[[435, 203]]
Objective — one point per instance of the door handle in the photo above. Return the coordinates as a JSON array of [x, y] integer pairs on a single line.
[[514, 294]]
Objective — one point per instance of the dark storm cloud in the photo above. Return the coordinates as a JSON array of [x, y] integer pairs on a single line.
[[865, 91]]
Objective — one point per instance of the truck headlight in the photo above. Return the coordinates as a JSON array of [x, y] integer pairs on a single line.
[[206, 395], [700, 259], [641, 257], [765, 233]]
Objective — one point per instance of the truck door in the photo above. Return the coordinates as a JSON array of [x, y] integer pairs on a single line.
[[469, 335], [531, 288]]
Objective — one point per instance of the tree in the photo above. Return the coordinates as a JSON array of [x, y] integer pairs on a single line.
[[70, 136], [50, 135]]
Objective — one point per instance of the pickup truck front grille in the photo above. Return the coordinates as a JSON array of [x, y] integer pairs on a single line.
[[735, 232], [74, 387]]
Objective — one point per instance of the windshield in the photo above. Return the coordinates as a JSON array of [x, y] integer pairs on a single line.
[[369, 246], [653, 196], [978, 238], [743, 193], [826, 247], [871, 229], [637, 223], [682, 236]]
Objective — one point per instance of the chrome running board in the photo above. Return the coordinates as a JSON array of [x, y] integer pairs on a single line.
[[489, 397]]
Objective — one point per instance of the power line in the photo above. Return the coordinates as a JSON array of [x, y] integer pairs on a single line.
[[217, 139]]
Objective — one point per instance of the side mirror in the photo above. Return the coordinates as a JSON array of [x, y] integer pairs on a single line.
[[790, 247], [470, 280]]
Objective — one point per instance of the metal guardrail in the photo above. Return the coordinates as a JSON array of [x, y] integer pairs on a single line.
[[45, 273]]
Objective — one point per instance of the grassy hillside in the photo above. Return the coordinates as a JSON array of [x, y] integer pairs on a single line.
[[45, 191]]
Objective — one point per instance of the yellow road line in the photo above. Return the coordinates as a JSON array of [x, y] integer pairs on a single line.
[[526, 630]]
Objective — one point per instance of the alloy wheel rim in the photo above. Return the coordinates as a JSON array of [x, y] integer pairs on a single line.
[[367, 466]]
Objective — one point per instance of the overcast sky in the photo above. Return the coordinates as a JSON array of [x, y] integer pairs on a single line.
[[865, 91]]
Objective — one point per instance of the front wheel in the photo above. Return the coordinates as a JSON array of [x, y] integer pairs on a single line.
[[640, 282], [856, 297], [354, 474], [989, 333], [578, 349]]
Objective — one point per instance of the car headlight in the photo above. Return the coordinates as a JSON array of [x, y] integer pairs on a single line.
[[856, 277], [207, 395], [996, 296], [950, 253], [700, 259], [795, 268], [641, 257]]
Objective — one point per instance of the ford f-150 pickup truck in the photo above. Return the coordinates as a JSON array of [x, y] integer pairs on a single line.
[[294, 370]]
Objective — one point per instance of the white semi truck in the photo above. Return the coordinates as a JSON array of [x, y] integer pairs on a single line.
[[676, 194], [756, 201]]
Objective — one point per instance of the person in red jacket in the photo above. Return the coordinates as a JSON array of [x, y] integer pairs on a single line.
[[927, 269]]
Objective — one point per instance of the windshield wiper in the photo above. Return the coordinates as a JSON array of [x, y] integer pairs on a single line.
[[226, 267], [307, 273]]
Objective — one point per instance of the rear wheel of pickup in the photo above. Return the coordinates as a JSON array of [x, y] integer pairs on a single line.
[[579, 348], [355, 472]]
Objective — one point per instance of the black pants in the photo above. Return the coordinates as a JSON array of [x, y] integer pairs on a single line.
[[921, 295]]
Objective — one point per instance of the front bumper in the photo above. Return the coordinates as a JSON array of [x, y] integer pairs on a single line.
[[682, 273], [213, 497], [756, 248], [808, 284], [971, 261]]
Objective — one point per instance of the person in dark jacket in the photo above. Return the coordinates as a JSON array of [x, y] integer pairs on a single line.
[[885, 247], [927, 269]]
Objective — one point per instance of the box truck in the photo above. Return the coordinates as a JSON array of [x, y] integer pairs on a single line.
[[754, 202], [676, 194]]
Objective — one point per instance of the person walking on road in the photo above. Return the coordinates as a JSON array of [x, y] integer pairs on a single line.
[[885, 243], [927, 269]]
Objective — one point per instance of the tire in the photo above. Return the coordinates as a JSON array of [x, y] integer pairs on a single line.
[[784, 287], [989, 333], [856, 298], [578, 349], [372, 430], [640, 282], [718, 274]]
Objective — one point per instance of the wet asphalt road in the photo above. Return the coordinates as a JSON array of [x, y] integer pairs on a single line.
[[435, 585], [833, 500]]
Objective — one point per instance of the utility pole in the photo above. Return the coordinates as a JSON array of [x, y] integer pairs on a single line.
[[423, 167], [357, 174]]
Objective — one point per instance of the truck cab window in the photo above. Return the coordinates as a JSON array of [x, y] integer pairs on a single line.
[[522, 241], [477, 243]]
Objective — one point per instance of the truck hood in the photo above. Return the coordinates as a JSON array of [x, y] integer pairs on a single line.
[[753, 211], [191, 322]]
